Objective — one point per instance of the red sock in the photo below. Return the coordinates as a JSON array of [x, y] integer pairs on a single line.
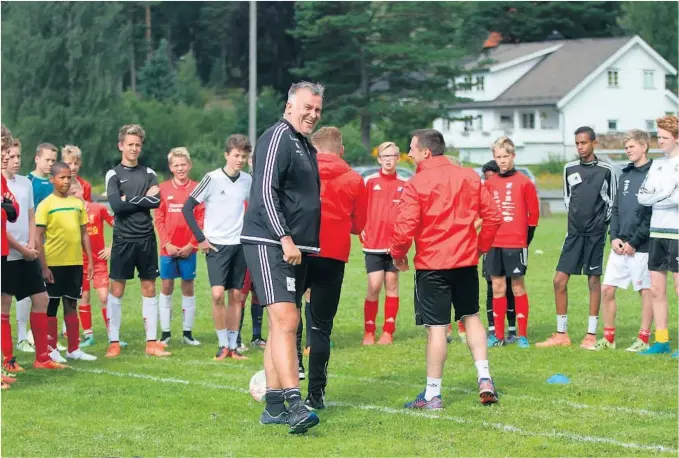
[[85, 312], [609, 334], [52, 333], [521, 304], [644, 334], [73, 331], [6, 339], [499, 313], [103, 313], [390, 312], [39, 329], [460, 327], [370, 314]]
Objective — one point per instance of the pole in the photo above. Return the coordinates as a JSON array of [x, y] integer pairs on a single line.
[[252, 128]]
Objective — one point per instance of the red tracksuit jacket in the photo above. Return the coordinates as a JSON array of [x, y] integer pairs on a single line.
[[171, 225], [343, 206], [384, 194], [8, 194]]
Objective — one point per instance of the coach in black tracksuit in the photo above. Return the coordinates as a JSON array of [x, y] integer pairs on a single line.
[[281, 223]]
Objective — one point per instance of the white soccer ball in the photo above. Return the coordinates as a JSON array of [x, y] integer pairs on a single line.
[[258, 386]]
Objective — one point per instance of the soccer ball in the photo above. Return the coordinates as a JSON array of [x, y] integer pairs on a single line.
[[258, 386]]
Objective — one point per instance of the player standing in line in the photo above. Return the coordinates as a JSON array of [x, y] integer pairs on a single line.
[[178, 246], [660, 191], [629, 231], [439, 208], [384, 190], [62, 238], [343, 212], [133, 192], [517, 201], [72, 156], [282, 221], [97, 214], [22, 274], [224, 192], [589, 192]]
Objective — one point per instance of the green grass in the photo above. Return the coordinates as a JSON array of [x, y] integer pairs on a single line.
[[618, 404]]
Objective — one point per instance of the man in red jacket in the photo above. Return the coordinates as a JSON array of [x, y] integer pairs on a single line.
[[384, 190], [438, 209], [343, 212]]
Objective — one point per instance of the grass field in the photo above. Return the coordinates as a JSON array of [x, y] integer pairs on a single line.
[[617, 404]]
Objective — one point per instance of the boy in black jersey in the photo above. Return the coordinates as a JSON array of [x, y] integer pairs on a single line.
[[132, 191]]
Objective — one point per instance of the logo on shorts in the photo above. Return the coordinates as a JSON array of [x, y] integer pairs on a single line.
[[517, 270], [290, 284]]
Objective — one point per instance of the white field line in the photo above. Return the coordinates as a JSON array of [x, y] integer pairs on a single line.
[[568, 436], [555, 401]]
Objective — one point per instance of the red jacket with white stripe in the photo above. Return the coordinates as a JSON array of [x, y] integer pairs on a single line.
[[343, 206], [384, 193], [438, 209], [6, 193]]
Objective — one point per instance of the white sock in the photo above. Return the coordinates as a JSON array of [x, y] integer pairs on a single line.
[[189, 310], [433, 388], [223, 336], [150, 314], [561, 323], [592, 324], [165, 312], [115, 314], [233, 339], [482, 369], [23, 315]]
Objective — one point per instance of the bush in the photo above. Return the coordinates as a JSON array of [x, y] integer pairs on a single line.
[[554, 164]]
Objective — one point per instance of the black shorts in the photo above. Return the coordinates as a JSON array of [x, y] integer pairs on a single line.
[[582, 255], [663, 255], [435, 290], [68, 282], [127, 255], [226, 266], [505, 262], [22, 278], [273, 279], [375, 262]]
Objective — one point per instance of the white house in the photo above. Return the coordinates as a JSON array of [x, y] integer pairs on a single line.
[[539, 93]]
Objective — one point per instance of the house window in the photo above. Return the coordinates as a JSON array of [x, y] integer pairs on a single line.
[[528, 120], [468, 124], [650, 125], [480, 83], [480, 123], [649, 79], [612, 125], [613, 78], [446, 124], [467, 85]]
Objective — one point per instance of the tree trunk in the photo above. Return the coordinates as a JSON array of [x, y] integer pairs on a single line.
[[149, 45], [366, 120], [133, 66]]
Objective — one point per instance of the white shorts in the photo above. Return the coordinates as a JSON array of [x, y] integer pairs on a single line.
[[623, 269]]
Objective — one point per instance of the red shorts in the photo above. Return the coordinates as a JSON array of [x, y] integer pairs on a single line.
[[100, 278]]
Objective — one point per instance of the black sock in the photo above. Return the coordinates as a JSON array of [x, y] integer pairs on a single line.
[[293, 396], [275, 402], [257, 337], [165, 335], [188, 334]]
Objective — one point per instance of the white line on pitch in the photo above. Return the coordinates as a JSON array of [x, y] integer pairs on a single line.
[[388, 410]]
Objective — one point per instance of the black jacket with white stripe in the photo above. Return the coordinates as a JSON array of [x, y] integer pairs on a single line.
[[285, 197], [589, 192], [133, 214]]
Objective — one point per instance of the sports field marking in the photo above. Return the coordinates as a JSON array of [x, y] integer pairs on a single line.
[[561, 402], [572, 437]]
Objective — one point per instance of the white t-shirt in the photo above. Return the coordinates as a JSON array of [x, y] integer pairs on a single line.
[[22, 188], [224, 205]]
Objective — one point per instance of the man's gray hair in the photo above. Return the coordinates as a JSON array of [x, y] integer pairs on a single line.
[[315, 88]]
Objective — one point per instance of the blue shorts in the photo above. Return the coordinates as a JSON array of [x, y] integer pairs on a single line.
[[171, 268]]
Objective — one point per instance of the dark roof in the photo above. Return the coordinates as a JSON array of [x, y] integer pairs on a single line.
[[555, 75]]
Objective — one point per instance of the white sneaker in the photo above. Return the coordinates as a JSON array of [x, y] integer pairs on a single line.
[[60, 347], [166, 340], [192, 342], [242, 348], [29, 337], [81, 355], [25, 346], [56, 357]]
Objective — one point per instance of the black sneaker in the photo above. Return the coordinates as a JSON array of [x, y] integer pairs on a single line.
[[301, 419], [268, 419], [302, 374], [314, 402]]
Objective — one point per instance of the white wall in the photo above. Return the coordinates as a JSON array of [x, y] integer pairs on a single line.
[[630, 104], [495, 83]]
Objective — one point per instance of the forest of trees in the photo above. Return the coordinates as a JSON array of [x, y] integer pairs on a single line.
[[74, 72]]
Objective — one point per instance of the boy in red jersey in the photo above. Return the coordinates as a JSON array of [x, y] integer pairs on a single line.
[[178, 246], [517, 200], [97, 214], [384, 190]]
